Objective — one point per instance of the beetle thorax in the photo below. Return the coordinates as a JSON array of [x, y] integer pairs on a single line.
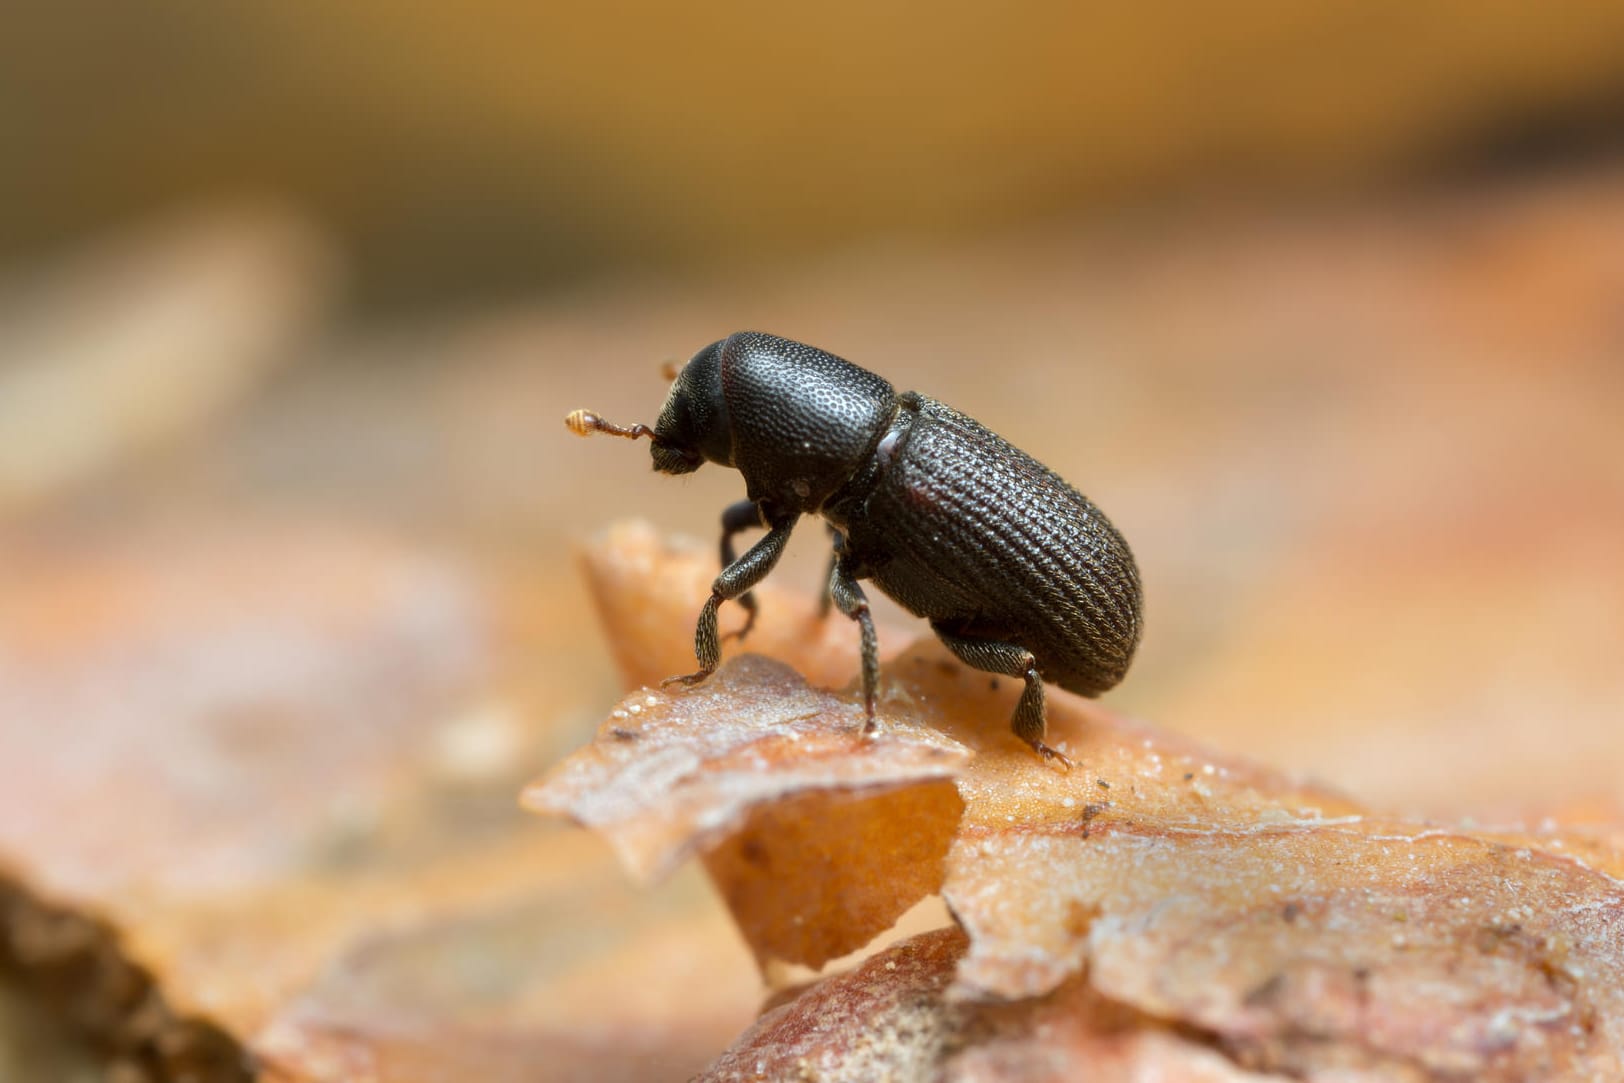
[[804, 421]]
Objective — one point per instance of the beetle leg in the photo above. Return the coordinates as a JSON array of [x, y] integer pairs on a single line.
[[848, 597], [827, 598], [742, 516], [992, 656], [736, 579]]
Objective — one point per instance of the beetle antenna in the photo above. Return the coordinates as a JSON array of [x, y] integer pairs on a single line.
[[669, 370], [585, 423]]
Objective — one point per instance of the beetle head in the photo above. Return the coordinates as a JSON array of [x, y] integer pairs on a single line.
[[693, 427]]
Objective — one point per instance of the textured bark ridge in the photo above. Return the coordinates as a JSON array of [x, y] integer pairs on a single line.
[[1160, 908]]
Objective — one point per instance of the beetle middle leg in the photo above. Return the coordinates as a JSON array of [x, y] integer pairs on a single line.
[[849, 598], [837, 546], [993, 656], [736, 518], [736, 579]]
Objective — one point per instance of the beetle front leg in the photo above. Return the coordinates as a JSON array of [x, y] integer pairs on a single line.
[[736, 518], [848, 597], [736, 579]]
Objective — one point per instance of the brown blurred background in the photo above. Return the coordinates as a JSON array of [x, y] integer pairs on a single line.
[[1323, 303], [517, 146]]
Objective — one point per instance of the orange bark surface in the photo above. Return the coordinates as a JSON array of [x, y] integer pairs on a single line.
[[289, 616], [1158, 887]]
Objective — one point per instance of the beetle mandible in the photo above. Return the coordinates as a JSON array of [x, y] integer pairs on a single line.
[[1018, 573]]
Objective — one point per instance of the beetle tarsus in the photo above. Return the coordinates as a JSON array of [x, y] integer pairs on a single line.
[[1054, 756], [687, 680], [707, 644]]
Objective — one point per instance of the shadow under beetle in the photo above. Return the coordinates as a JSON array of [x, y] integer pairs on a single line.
[[1017, 572]]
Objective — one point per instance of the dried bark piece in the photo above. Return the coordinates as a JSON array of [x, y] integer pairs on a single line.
[[1024, 917], [1287, 924], [1308, 933], [685, 750], [1365, 945], [830, 834], [816, 876], [891, 1018]]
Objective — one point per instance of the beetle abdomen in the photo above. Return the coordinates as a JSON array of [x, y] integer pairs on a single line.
[[987, 540]]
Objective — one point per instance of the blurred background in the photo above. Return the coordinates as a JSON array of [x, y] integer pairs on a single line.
[[1324, 304]]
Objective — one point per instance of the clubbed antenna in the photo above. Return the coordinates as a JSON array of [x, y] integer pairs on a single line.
[[585, 423]]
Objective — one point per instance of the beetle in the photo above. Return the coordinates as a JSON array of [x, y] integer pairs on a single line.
[[1017, 572]]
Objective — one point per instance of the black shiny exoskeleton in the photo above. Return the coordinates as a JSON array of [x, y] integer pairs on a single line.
[[1017, 572]]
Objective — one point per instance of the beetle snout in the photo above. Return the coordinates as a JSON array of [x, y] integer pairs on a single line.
[[669, 459]]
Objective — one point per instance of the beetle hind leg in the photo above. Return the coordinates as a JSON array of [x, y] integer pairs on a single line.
[[1030, 721]]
